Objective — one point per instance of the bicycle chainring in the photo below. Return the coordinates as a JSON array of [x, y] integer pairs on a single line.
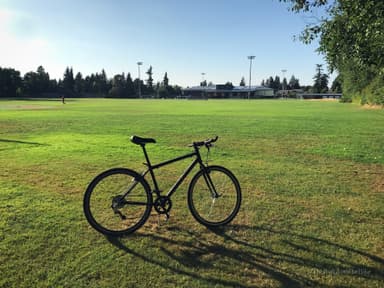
[[163, 205]]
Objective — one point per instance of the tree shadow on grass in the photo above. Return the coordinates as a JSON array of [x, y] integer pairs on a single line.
[[22, 142], [292, 260]]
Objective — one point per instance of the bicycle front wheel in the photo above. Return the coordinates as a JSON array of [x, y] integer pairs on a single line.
[[117, 202], [214, 196]]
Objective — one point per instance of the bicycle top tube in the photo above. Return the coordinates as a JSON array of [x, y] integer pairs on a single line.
[[142, 141], [173, 160]]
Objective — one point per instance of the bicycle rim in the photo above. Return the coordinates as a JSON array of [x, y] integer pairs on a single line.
[[211, 210]]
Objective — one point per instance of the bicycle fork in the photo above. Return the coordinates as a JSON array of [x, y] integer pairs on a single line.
[[211, 186]]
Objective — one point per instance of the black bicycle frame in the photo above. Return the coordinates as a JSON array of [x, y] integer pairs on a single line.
[[151, 167]]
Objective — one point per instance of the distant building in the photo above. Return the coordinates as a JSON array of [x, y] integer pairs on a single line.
[[320, 95], [227, 91]]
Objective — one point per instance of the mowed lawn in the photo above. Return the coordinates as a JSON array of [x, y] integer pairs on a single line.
[[311, 172]]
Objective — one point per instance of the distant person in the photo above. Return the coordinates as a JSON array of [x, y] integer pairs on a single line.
[[63, 99]]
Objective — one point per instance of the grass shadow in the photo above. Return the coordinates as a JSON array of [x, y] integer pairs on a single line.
[[226, 250], [154, 260], [329, 263]]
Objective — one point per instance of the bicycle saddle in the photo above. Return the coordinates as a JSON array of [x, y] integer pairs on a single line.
[[141, 141]]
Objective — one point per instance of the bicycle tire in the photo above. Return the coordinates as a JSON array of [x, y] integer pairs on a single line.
[[203, 205], [106, 190]]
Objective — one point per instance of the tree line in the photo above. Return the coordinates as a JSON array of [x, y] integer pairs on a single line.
[[39, 84], [276, 84], [351, 37], [320, 83]]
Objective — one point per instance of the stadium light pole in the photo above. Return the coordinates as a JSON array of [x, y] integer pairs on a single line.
[[250, 74], [284, 70], [138, 68], [202, 83]]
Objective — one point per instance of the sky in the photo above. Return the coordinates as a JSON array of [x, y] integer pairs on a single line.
[[181, 37]]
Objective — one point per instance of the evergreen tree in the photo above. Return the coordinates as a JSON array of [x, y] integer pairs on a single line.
[[104, 87], [320, 80], [271, 82], [29, 83], [130, 87], [68, 82], [242, 82], [79, 84], [149, 80], [228, 85], [165, 80], [158, 85], [10, 82], [53, 85], [276, 83], [294, 83], [118, 89], [337, 85], [324, 83], [165, 90], [35, 83], [136, 85], [42, 80]]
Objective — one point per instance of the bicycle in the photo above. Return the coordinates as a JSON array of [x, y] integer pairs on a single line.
[[119, 201]]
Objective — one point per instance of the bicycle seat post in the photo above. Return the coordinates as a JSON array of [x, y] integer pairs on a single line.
[[149, 165], [146, 156]]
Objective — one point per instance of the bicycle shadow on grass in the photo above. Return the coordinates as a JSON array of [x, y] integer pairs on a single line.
[[292, 260]]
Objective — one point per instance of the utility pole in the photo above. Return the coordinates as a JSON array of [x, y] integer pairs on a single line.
[[250, 74]]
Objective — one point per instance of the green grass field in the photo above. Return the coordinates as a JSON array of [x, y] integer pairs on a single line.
[[312, 176]]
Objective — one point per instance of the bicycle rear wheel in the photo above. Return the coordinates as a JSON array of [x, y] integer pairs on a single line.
[[106, 208], [214, 196]]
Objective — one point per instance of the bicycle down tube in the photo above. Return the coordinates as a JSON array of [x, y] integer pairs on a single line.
[[165, 163]]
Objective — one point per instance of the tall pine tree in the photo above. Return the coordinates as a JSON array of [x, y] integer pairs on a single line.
[[68, 82], [149, 80]]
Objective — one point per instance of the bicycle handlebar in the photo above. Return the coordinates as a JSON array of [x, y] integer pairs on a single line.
[[207, 143]]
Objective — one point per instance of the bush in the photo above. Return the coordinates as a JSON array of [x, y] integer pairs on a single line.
[[374, 92]]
